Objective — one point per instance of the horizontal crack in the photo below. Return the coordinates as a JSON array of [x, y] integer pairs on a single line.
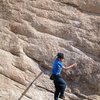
[[28, 96], [44, 88], [78, 8], [12, 79]]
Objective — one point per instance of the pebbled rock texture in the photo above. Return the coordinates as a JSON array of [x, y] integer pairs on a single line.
[[32, 32]]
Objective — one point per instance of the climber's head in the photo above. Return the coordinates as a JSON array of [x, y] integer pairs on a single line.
[[60, 56]]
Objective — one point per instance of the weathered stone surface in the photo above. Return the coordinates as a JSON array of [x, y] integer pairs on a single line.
[[9, 89], [84, 5], [31, 34]]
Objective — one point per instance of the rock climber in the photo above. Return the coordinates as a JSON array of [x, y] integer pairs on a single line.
[[59, 82]]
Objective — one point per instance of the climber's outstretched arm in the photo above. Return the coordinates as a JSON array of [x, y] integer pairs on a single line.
[[71, 66]]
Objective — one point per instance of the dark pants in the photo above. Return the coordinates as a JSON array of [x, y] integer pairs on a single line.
[[60, 86]]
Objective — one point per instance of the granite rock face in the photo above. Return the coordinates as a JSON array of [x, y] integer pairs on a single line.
[[92, 6], [32, 32]]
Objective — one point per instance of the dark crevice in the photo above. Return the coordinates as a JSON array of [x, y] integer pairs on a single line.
[[15, 53], [18, 87], [78, 8], [13, 79], [44, 88], [21, 69], [28, 96], [82, 96], [93, 56], [70, 4], [42, 64], [73, 5]]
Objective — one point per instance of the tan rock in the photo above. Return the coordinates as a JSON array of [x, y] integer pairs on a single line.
[[32, 32], [84, 5]]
